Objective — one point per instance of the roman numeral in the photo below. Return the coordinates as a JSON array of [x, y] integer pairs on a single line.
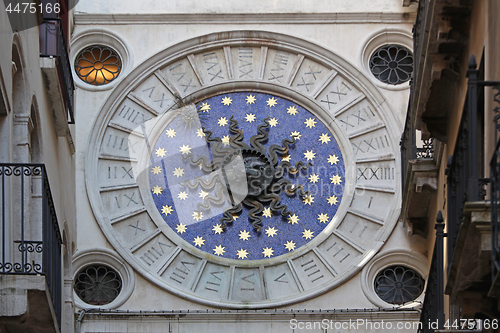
[[153, 254], [372, 173], [243, 54], [181, 272], [211, 59], [249, 288], [214, 285], [312, 271]]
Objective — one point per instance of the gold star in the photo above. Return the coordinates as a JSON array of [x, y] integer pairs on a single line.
[[336, 179], [314, 178], [292, 110], [323, 218], [171, 133], [200, 133], [167, 210], [197, 216], [244, 235], [184, 149], [333, 159], [178, 172], [271, 232], [199, 241], [250, 117], [225, 140], [242, 254], [205, 107], [226, 100], [219, 250], [203, 194], [296, 135], [222, 121], [294, 219], [160, 152], [251, 99], [217, 229], [308, 199], [333, 200], [271, 102], [307, 234], [273, 122], [266, 212], [156, 170], [235, 217], [181, 228], [310, 122], [324, 138], [157, 190], [290, 245], [268, 252], [182, 195], [309, 155], [286, 158]]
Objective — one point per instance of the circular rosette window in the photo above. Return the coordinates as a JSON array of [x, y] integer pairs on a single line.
[[246, 175]]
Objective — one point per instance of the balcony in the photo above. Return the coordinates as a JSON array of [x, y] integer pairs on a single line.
[[420, 167], [56, 69], [30, 244]]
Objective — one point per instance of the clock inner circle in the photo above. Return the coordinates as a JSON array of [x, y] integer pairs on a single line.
[[246, 175]]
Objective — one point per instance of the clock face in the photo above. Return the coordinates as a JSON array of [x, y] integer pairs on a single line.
[[245, 173]]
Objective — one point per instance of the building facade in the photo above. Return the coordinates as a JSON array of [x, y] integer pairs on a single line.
[[230, 167]]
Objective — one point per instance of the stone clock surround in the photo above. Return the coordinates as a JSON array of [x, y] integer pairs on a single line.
[[272, 41]]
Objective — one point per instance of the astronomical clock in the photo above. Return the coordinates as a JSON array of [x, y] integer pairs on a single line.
[[242, 171]]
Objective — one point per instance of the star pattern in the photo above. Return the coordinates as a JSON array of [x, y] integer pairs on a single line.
[[222, 121], [310, 122], [160, 152], [217, 229], [184, 149], [296, 135], [250, 99], [294, 219], [197, 216], [336, 179], [324, 138], [271, 232], [205, 107], [332, 200], [227, 100], [156, 170], [267, 252], [242, 254], [250, 117], [309, 155], [199, 241], [171, 133], [271, 102], [292, 110], [314, 143], [307, 234], [219, 250], [314, 178], [333, 159], [308, 199], [167, 210], [157, 190], [323, 218], [178, 172], [181, 228], [290, 245]]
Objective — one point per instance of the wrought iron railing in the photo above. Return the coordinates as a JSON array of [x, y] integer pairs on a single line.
[[464, 172], [30, 239], [495, 187], [432, 316], [53, 45]]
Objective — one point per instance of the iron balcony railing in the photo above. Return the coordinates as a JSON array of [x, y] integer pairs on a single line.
[[53, 45], [432, 316], [30, 240], [465, 181]]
